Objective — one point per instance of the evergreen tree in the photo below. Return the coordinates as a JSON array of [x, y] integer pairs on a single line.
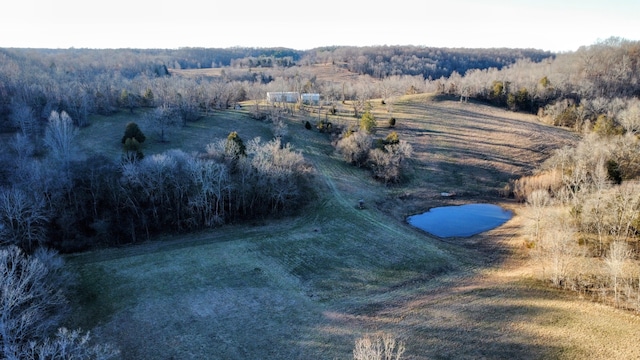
[[132, 142], [392, 138], [235, 146], [147, 98], [133, 131], [368, 122]]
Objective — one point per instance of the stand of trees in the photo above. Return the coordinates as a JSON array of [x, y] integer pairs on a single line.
[[567, 90], [386, 158], [59, 201], [584, 218]]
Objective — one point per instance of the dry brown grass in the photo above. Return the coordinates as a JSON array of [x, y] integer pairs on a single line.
[[548, 180], [322, 72], [198, 73]]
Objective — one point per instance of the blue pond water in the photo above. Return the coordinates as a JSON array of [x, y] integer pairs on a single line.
[[460, 221]]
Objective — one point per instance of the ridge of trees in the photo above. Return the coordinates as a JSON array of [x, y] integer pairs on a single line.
[[92, 81], [431, 63], [583, 203], [569, 89]]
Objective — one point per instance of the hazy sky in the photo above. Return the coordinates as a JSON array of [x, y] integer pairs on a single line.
[[555, 25]]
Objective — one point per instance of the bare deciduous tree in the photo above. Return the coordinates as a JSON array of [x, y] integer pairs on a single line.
[[25, 120], [379, 346], [623, 210], [23, 147], [256, 93], [557, 250], [212, 180], [630, 117], [162, 119], [278, 168], [59, 136], [355, 146], [387, 163], [23, 218], [615, 260], [537, 202], [29, 301], [69, 344]]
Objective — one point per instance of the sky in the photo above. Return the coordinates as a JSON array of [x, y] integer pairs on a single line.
[[553, 25]]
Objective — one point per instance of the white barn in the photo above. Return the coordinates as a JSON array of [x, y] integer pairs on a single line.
[[310, 98], [283, 96]]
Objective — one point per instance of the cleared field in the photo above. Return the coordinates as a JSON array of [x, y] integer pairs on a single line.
[[204, 73], [306, 287], [322, 72], [104, 134]]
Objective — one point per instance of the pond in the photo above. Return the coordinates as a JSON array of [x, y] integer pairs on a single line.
[[460, 221]]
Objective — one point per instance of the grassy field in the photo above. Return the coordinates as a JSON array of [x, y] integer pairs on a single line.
[[104, 134], [305, 287]]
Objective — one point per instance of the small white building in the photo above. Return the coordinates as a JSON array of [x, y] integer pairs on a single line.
[[310, 98], [283, 96]]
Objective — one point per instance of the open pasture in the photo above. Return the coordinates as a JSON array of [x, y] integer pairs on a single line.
[[306, 286]]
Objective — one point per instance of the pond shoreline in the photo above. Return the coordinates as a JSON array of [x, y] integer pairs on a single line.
[[460, 220]]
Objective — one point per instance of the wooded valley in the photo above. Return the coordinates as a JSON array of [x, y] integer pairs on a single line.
[[109, 148]]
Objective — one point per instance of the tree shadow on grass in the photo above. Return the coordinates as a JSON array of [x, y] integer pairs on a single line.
[[464, 322]]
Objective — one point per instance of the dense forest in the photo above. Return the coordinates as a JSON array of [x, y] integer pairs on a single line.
[[584, 201]]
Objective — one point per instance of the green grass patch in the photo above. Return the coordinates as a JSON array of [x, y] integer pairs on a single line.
[[104, 134]]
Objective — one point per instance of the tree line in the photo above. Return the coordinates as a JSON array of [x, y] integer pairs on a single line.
[[583, 210], [568, 89], [82, 82], [430, 63]]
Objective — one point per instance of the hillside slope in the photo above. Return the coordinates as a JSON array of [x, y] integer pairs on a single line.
[[307, 286]]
